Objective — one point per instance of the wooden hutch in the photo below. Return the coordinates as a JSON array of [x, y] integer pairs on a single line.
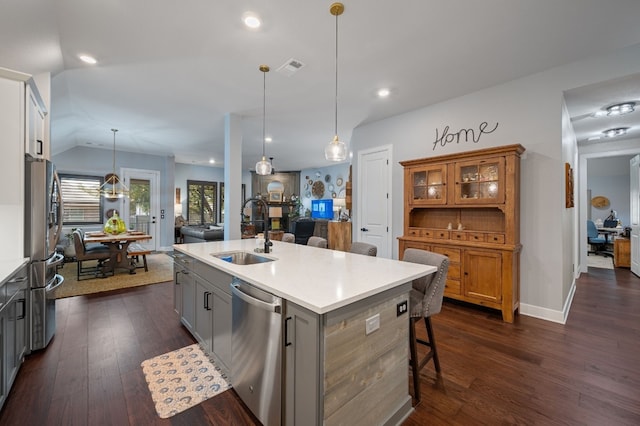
[[467, 207]]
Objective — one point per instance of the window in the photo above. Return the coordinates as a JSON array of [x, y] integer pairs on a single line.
[[201, 202], [82, 200]]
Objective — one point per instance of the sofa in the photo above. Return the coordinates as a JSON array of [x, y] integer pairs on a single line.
[[201, 233]]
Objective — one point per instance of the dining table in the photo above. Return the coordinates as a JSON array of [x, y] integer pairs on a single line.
[[118, 244]]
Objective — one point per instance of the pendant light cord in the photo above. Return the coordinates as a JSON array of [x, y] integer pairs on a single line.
[[336, 97], [264, 108], [114, 152]]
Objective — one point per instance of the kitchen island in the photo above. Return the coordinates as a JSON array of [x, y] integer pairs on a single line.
[[344, 319]]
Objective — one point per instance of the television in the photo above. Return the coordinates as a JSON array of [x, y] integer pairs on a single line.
[[322, 209]]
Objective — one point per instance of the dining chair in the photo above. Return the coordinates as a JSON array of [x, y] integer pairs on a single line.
[[363, 248], [288, 237], [317, 242], [98, 253], [425, 300]]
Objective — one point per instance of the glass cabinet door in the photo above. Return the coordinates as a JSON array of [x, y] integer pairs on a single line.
[[428, 185], [480, 182]]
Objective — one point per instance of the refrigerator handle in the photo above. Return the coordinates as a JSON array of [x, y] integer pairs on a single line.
[[60, 205]]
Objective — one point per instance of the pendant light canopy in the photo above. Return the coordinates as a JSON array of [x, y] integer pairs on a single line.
[[263, 167], [336, 150], [113, 188]]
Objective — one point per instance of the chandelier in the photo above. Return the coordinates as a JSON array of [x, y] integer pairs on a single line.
[[113, 188]]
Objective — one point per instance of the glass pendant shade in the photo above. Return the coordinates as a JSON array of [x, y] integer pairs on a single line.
[[336, 150], [263, 167]]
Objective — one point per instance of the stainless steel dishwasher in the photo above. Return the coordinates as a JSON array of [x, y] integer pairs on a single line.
[[256, 370]]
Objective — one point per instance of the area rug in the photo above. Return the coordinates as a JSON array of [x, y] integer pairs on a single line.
[[600, 262], [160, 270], [183, 378]]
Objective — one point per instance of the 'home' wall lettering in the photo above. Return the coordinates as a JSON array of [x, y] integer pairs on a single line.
[[465, 133]]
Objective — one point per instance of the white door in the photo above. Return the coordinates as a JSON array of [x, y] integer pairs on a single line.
[[141, 210], [634, 172], [374, 199]]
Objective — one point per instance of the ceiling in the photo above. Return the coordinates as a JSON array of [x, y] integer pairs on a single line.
[[169, 71]]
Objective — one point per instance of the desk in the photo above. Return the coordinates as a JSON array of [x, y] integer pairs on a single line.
[[117, 248]]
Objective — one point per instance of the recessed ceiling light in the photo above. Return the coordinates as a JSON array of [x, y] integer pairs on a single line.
[[383, 93], [594, 138], [211, 161], [621, 109], [88, 59], [268, 139], [251, 20], [618, 131]]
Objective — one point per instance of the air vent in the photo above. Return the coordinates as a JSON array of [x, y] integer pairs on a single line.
[[290, 67]]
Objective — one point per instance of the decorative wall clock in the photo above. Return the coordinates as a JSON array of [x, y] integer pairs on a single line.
[[318, 189]]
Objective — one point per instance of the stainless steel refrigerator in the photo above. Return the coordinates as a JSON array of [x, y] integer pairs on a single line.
[[43, 225]]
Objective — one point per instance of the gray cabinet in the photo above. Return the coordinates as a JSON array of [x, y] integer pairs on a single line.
[[222, 327], [302, 366], [204, 299], [204, 314], [13, 309]]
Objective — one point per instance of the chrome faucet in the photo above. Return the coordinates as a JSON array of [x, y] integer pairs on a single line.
[[265, 218]]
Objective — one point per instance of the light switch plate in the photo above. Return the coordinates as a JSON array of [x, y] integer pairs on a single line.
[[372, 324]]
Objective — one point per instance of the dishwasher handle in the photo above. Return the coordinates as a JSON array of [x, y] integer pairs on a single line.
[[271, 307]]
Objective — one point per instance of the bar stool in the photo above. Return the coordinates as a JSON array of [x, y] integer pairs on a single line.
[[363, 248], [425, 300]]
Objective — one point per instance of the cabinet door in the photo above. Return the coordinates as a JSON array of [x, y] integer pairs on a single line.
[[222, 328], [427, 185], [178, 276], [482, 275], [34, 127], [480, 181], [302, 366], [204, 314], [188, 300]]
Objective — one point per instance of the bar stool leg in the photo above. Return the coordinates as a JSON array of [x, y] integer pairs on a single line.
[[432, 343]]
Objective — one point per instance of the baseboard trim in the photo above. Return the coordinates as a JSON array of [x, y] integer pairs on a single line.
[[550, 314]]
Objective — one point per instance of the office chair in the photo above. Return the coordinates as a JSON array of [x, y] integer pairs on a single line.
[[598, 244]]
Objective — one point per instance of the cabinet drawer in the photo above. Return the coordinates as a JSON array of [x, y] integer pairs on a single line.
[[452, 253], [459, 236], [452, 287], [477, 236], [495, 238], [441, 235], [414, 232]]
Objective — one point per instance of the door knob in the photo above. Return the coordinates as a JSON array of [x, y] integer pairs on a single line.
[[364, 229]]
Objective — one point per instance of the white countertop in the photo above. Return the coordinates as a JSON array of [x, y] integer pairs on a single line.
[[9, 266], [320, 280]]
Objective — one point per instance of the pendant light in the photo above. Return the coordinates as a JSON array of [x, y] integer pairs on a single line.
[[336, 150], [263, 167], [113, 188]]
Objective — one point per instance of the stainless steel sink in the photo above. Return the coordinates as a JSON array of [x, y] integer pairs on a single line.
[[241, 257]]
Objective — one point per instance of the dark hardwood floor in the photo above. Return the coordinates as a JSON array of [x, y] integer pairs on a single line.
[[530, 372]]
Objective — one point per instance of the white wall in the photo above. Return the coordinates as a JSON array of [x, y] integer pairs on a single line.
[[529, 112], [610, 177]]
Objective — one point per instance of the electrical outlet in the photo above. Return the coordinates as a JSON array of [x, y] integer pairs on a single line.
[[401, 308], [372, 324]]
